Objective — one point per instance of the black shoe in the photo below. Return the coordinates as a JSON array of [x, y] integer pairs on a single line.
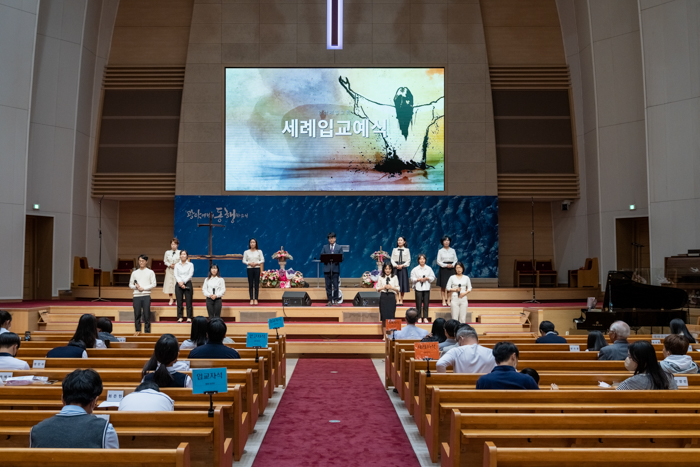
[[329, 304], [396, 390], [336, 304]]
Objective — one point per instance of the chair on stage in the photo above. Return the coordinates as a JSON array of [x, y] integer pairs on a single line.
[[123, 272], [524, 274], [587, 276], [83, 275], [159, 267], [546, 274]]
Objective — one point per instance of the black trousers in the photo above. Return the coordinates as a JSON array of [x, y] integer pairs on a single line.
[[332, 291], [253, 282], [142, 303], [187, 294], [214, 308], [422, 303]]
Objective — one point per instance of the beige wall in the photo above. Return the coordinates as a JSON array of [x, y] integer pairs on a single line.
[[145, 227]]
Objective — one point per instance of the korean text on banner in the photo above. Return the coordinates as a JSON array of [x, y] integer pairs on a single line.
[[209, 380], [426, 350], [256, 339]]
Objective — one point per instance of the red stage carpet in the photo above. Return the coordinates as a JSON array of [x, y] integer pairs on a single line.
[[368, 432]]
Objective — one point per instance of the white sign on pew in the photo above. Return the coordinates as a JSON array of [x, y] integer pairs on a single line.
[[659, 336], [38, 364], [574, 348], [121, 339], [4, 375], [656, 341], [115, 396], [681, 381]]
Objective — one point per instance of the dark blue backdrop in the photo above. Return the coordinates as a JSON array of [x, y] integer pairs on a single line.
[[300, 224]]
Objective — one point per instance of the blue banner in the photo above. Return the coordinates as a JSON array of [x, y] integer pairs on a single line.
[[256, 339], [366, 223], [209, 380], [276, 323]]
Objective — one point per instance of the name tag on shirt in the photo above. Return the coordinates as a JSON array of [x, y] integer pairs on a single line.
[[38, 364], [681, 381]]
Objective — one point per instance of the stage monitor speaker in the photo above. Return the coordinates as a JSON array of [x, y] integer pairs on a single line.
[[366, 299], [296, 299]]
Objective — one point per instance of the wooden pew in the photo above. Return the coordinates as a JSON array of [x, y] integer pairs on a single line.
[[141, 430], [469, 432], [588, 457], [443, 401], [26, 457], [236, 425]]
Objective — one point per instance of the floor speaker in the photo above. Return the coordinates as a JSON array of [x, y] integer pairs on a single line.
[[366, 299], [296, 299]]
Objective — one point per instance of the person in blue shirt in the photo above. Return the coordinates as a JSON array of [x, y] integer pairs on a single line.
[[505, 376], [411, 331], [548, 335], [214, 348]]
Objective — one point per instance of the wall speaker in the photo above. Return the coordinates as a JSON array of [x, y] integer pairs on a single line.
[[366, 299], [296, 299]]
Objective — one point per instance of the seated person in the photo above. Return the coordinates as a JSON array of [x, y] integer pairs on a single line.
[[75, 427], [214, 348], [532, 372], [595, 342], [147, 398], [159, 369], [9, 344], [619, 332], [74, 349], [678, 326], [437, 332], [548, 335], [504, 376], [469, 356], [104, 330], [198, 334], [451, 326], [5, 321], [648, 374], [411, 331], [675, 359]]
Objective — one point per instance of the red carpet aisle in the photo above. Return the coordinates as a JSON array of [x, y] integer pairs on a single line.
[[368, 432]]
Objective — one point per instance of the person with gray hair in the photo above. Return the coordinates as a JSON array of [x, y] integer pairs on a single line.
[[469, 357], [618, 334]]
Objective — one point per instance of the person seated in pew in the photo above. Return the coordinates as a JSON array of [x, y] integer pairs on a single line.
[[411, 331], [74, 349], [548, 335], [198, 334], [505, 376], [678, 327], [104, 330], [533, 374], [5, 321], [9, 344], [595, 342], [676, 359], [469, 356], [618, 334], [215, 348], [147, 398], [160, 368], [437, 333], [87, 332], [74, 427], [451, 326], [648, 374]]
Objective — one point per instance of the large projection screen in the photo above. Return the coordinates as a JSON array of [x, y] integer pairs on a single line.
[[335, 129]]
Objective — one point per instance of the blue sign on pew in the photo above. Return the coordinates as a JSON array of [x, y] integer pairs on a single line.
[[256, 339], [276, 323], [209, 380]]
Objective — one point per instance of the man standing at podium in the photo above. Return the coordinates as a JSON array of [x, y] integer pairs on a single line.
[[331, 271]]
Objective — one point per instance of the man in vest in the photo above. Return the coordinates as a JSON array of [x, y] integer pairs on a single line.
[[75, 426]]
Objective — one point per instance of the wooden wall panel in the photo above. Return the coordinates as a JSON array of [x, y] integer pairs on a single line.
[[145, 227]]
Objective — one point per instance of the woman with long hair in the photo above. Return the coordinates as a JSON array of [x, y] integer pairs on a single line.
[[437, 333], [596, 341], [678, 327], [184, 270], [446, 259], [159, 369], [214, 288], [86, 332], [255, 261], [198, 334], [401, 260], [648, 374], [388, 286], [171, 257], [421, 277], [5, 321]]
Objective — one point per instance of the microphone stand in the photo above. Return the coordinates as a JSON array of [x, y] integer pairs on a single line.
[[99, 265], [532, 233]]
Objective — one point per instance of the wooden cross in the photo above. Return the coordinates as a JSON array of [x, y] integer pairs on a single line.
[[210, 225], [334, 21]]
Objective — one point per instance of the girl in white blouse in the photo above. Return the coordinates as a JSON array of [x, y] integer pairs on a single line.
[[421, 277], [446, 259], [171, 257], [459, 286], [401, 260], [254, 260], [388, 286], [184, 270], [214, 288]]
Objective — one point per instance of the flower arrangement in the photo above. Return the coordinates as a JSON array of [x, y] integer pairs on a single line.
[[282, 255], [379, 256], [367, 281], [284, 279], [297, 279], [270, 278]]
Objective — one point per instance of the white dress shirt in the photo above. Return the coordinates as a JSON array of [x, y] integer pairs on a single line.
[[214, 283], [8, 362], [111, 438], [418, 273], [184, 272], [464, 284], [382, 281], [148, 400], [253, 256], [405, 254], [146, 279], [3, 330], [171, 257], [472, 358], [446, 256]]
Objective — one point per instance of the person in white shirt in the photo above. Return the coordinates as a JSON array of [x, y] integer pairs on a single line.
[[388, 286], [142, 280], [214, 288], [459, 286], [421, 277], [401, 260], [411, 331], [255, 261], [147, 398], [5, 321], [171, 257], [9, 344], [184, 270], [469, 357], [446, 259]]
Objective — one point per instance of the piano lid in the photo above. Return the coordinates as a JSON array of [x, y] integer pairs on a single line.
[[626, 293]]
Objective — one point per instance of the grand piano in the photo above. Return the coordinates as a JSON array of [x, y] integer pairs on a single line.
[[634, 303]]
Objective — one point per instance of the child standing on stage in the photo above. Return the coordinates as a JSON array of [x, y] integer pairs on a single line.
[[387, 286], [446, 259], [254, 260], [459, 286], [401, 260], [421, 277], [184, 270], [214, 288], [172, 256]]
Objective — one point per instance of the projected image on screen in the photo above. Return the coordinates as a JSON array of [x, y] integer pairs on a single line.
[[335, 129]]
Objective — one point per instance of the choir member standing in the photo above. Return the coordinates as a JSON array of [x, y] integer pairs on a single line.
[[446, 259], [421, 277], [459, 286], [142, 280], [388, 286], [184, 270], [401, 260], [214, 288], [172, 256], [254, 260]]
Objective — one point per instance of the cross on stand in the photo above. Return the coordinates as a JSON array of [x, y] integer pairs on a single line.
[[210, 225]]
